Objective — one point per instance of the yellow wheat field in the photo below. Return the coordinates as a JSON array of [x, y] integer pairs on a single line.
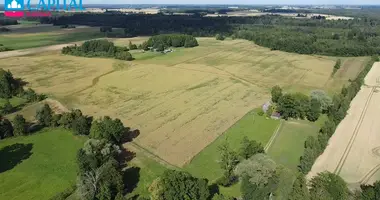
[[181, 101]]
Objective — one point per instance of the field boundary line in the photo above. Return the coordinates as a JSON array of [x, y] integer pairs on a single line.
[[223, 133], [153, 156], [274, 136], [347, 150]]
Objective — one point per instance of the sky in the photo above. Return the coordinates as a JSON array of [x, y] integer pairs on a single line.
[[316, 2]]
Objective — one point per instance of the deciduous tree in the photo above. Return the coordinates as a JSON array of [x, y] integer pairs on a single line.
[[327, 185], [19, 125], [299, 190], [228, 160], [276, 93], [249, 148], [45, 115], [178, 185]]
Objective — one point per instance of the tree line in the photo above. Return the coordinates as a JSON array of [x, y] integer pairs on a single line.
[[98, 48], [163, 41], [358, 37], [100, 175], [335, 112]]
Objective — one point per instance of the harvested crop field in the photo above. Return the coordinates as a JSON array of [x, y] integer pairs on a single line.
[[180, 101], [353, 151]]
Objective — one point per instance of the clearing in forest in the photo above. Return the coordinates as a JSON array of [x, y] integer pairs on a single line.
[[353, 151], [180, 101]]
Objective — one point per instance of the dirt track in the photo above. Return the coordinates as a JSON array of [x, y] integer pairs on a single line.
[[354, 149]]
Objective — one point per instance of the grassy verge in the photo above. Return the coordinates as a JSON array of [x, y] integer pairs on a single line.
[[38, 166]]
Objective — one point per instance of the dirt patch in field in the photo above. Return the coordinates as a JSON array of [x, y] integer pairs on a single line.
[[353, 150]]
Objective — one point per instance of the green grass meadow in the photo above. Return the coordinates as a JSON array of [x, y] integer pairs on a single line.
[[288, 146], [38, 166], [255, 127]]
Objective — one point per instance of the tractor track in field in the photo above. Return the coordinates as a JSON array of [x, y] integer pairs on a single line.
[[347, 150]]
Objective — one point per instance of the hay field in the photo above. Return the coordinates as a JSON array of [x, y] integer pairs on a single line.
[[353, 151], [181, 101]]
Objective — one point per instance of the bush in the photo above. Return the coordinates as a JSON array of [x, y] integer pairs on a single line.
[[219, 37]]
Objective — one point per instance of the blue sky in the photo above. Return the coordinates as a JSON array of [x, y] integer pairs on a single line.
[[318, 2]]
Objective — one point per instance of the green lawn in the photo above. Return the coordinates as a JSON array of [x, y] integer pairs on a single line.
[[288, 147], [38, 166], [44, 39], [255, 127]]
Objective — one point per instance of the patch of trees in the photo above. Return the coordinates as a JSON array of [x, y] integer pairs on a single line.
[[11, 87], [297, 105], [336, 111], [160, 42], [100, 175], [368, 192], [219, 37], [229, 158], [67, 26], [337, 66], [5, 22], [319, 17], [175, 185], [98, 48]]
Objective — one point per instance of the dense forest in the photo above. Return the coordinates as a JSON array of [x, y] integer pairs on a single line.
[[357, 37]]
